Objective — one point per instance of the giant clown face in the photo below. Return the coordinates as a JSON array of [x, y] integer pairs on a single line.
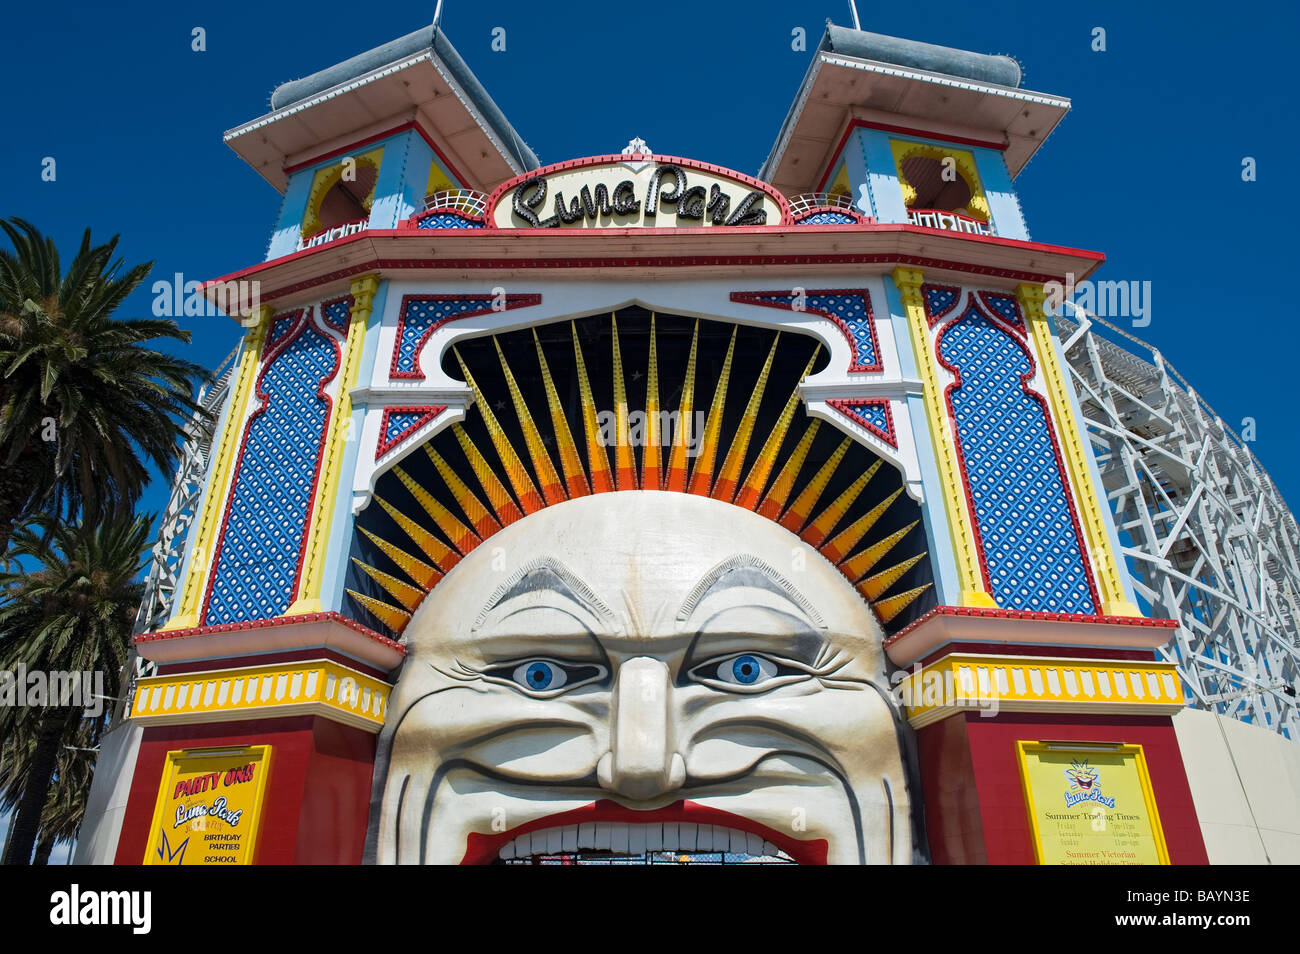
[[641, 671]]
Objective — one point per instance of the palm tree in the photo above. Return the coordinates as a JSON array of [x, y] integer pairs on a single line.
[[70, 788], [84, 404], [72, 610]]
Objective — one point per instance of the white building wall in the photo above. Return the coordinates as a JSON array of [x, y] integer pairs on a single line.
[[1246, 786]]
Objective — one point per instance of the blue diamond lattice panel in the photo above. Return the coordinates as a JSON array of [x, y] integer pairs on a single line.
[[1005, 307], [828, 218], [939, 300], [448, 220], [258, 554], [872, 414], [399, 423], [421, 315], [1031, 549], [848, 308]]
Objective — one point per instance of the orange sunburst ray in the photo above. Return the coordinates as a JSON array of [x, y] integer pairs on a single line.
[[651, 453], [795, 517], [844, 542], [575, 477], [480, 518], [724, 488], [702, 473], [675, 479], [873, 587], [778, 495], [462, 537], [498, 497], [392, 617], [516, 473], [756, 480], [888, 608], [406, 594], [856, 567], [443, 556], [820, 526], [602, 480], [424, 575], [624, 458]]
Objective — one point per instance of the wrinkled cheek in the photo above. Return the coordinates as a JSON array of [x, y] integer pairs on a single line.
[[523, 739]]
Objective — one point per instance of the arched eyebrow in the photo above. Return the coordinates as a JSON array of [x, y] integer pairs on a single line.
[[542, 574], [756, 573]]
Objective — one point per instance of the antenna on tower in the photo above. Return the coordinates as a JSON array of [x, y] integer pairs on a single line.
[[853, 8], [437, 13]]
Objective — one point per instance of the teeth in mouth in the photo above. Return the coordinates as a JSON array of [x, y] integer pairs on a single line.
[[627, 838]]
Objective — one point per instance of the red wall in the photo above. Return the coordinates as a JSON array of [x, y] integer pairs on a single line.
[[317, 799], [970, 763]]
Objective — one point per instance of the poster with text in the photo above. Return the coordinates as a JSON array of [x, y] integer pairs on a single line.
[[208, 807], [1091, 805]]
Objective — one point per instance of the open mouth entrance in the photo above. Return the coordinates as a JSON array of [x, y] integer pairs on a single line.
[[614, 843]]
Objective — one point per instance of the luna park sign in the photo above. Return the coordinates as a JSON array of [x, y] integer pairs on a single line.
[[622, 192]]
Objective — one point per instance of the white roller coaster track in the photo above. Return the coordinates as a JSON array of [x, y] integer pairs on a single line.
[[1208, 539], [182, 505]]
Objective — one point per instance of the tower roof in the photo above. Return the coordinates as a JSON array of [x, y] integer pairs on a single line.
[[417, 77], [923, 88]]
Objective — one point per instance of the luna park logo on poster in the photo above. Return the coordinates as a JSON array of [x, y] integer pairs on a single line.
[[1085, 785]]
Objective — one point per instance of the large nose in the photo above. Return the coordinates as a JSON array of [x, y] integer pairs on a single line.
[[642, 761]]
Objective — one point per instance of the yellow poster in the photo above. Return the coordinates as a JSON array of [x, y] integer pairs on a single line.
[[1091, 804], [208, 807]]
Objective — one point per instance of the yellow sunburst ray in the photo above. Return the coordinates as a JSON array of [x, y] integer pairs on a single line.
[[462, 537], [724, 488], [443, 556], [575, 477], [820, 526], [795, 517], [856, 567], [499, 498], [888, 608], [552, 489], [844, 542], [424, 575], [756, 479], [874, 586], [624, 458], [516, 473], [392, 617], [675, 479], [409, 596], [651, 455], [702, 473], [484, 523], [597, 460], [778, 494]]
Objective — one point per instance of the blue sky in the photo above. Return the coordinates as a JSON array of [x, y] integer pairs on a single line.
[[1146, 168]]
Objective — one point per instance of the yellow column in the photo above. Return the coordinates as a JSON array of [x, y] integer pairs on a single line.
[[971, 581], [186, 612], [1113, 600], [313, 567]]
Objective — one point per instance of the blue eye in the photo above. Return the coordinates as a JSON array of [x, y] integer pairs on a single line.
[[746, 670], [545, 678], [540, 676]]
